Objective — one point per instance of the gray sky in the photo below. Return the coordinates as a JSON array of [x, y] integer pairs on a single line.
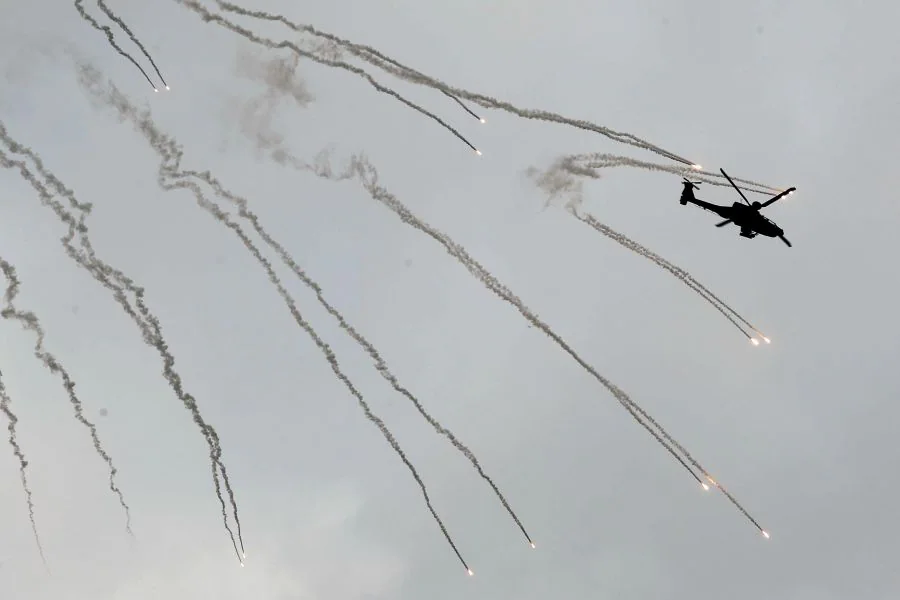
[[802, 432]]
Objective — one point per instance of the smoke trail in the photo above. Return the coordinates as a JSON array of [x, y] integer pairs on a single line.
[[112, 42], [109, 13], [151, 327], [690, 279], [600, 161], [570, 165], [171, 155], [365, 172], [31, 323], [376, 58], [393, 67], [272, 45], [5, 401], [266, 139], [464, 107], [360, 168], [380, 60], [113, 281], [586, 165], [562, 182], [280, 80], [325, 348], [380, 364], [659, 261], [117, 283], [677, 271]]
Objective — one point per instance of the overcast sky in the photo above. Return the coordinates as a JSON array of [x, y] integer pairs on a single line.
[[802, 432]]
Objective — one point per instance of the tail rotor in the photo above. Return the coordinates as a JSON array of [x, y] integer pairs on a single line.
[[688, 193]]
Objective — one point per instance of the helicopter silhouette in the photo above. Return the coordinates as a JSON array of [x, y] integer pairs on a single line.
[[746, 216]]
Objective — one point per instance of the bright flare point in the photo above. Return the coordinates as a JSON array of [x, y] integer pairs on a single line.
[[478, 152], [155, 90], [766, 340], [765, 534], [705, 487], [754, 341], [532, 545], [469, 571], [168, 88], [483, 120], [697, 167]]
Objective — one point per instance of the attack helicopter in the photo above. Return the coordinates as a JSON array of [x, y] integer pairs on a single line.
[[746, 216]]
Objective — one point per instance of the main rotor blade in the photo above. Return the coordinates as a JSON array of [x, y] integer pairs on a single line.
[[735, 186], [723, 223], [778, 197], [784, 239]]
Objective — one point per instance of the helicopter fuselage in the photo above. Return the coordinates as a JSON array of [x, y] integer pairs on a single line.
[[748, 218]]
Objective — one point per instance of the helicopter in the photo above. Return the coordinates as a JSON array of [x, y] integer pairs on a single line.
[[746, 216]]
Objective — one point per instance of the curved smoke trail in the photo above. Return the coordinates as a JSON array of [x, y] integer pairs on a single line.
[[111, 39], [118, 284], [171, 154], [362, 170], [118, 21], [272, 45], [394, 67], [586, 165], [5, 402], [31, 323], [380, 364], [561, 179], [641, 251]]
